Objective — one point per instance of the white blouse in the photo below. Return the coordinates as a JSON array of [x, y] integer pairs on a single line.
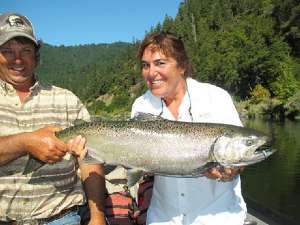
[[195, 201]]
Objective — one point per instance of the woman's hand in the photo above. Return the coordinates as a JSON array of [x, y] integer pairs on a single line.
[[224, 174]]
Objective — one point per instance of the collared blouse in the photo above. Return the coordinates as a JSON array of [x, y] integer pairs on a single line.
[[200, 200]]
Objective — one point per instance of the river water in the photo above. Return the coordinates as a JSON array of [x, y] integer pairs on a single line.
[[275, 183]]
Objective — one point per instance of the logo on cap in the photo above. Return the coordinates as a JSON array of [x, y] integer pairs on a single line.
[[16, 21]]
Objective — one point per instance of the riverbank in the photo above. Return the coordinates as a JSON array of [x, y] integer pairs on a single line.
[[270, 108]]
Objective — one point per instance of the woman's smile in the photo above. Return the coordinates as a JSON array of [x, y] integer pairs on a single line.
[[161, 73]]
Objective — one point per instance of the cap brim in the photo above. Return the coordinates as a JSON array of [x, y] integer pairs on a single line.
[[8, 36]]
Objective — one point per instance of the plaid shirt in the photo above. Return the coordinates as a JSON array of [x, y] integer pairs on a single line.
[[51, 188]]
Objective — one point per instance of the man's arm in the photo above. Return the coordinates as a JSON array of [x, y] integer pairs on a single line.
[[94, 185], [42, 144], [11, 147]]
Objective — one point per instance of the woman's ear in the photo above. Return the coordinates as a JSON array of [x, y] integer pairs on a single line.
[[182, 72]]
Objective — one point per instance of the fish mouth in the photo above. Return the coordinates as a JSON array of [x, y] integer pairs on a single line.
[[263, 148], [260, 154]]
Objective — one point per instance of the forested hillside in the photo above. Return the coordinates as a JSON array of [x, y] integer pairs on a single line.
[[92, 71], [249, 47]]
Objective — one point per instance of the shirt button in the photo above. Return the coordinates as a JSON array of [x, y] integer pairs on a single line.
[[182, 194]]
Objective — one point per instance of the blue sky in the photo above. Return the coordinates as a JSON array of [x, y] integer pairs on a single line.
[[73, 22]]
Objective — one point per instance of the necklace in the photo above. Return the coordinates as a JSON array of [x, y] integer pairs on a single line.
[[189, 109]]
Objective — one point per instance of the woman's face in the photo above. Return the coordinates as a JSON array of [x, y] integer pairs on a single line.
[[162, 75]]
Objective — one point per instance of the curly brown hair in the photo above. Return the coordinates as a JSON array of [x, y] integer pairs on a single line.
[[170, 45]]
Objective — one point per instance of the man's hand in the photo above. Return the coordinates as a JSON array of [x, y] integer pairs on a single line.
[[44, 145], [77, 147], [223, 173]]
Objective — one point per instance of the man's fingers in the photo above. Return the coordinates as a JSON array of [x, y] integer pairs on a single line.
[[83, 154], [70, 143], [55, 157], [77, 146], [54, 128], [59, 144], [62, 146]]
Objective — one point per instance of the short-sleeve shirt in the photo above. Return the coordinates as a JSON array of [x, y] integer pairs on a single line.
[[200, 200], [52, 188]]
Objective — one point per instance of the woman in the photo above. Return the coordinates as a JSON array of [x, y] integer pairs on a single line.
[[215, 198]]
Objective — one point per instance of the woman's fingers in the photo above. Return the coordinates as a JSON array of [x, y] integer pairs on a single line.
[[223, 173]]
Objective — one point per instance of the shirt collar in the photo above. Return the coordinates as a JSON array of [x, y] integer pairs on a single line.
[[8, 89], [163, 111]]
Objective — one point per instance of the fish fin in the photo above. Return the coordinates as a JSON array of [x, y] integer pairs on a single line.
[[140, 116], [91, 157], [199, 171], [133, 176], [32, 165]]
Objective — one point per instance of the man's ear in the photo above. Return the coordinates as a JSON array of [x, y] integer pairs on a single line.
[[37, 58]]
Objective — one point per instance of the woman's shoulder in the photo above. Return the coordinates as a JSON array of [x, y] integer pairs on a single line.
[[147, 103], [146, 98], [203, 88]]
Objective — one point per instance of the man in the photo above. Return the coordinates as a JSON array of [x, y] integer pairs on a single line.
[[30, 114]]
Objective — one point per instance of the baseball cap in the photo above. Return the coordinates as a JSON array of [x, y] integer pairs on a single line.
[[15, 25]]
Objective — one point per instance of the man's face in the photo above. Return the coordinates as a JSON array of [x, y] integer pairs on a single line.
[[19, 60]]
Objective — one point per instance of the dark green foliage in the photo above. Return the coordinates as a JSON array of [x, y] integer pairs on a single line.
[[120, 101], [91, 71], [96, 107], [292, 107], [236, 44], [287, 17]]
